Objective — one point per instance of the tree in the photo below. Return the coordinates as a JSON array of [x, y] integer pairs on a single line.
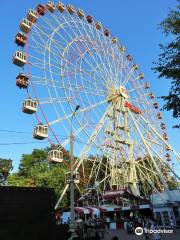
[[5, 168], [168, 64], [36, 171]]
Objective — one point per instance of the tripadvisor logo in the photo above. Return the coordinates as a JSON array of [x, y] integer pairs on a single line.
[[138, 231]]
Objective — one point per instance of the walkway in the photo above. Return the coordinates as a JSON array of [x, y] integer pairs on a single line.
[[122, 235]]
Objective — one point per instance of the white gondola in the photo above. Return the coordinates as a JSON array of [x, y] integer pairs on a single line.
[[32, 16], [114, 40], [25, 25], [29, 106], [141, 76], [98, 25], [76, 177], [122, 48], [70, 9], [146, 85], [135, 67], [50, 6], [40, 132], [55, 156], [80, 13], [19, 58], [60, 7]]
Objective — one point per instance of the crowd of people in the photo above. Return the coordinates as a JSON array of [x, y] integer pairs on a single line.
[[95, 228]]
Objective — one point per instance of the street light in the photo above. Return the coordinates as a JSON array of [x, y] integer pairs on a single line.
[[72, 225]]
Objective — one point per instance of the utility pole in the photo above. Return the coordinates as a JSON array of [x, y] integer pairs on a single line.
[[72, 225]]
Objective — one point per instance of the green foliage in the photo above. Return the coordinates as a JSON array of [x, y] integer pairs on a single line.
[[172, 183], [38, 156], [36, 171], [168, 65], [5, 168]]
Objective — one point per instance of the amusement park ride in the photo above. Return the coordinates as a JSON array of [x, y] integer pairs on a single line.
[[68, 59]]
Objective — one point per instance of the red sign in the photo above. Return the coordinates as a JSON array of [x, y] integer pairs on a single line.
[[132, 107]]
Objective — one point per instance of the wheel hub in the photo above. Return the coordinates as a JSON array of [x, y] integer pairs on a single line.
[[115, 94]]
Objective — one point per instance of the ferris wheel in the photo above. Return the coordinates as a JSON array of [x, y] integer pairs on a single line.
[[68, 59]]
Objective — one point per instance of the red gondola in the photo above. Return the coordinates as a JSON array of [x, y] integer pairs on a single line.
[[156, 105], [20, 39], [163, 126], [50, 6], [129, 57], [106, 32], [159, 115], [151, 95], [89, 19], [22, 81], [41, 9]]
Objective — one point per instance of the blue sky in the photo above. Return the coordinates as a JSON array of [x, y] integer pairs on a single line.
[[135, 23]]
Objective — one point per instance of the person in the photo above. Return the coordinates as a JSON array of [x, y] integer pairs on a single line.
[[155, 235], [107, 222], [146, 226], [129, 227], [172, 225], [125, 225], [102, 229]]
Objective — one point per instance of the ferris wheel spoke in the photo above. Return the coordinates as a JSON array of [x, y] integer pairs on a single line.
[[134, 89], [92, 139], [76, 50], [151, 177], [56, 43], [163, 161], [76, 133], [98, 49], [96, 168], [80, 111], [82, 42], [62, 195], [100, 77], [147, 169], [129, 75], [106, 53], [150, 183], [167, 144], [155, 142], [73, 89], [52, 100]]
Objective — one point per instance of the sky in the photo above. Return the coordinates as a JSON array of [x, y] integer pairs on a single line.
[[135, 23]]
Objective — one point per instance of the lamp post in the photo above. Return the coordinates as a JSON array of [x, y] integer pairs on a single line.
[[72, 226]]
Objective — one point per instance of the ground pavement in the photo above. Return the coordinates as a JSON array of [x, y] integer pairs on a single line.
[[122, 235]]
